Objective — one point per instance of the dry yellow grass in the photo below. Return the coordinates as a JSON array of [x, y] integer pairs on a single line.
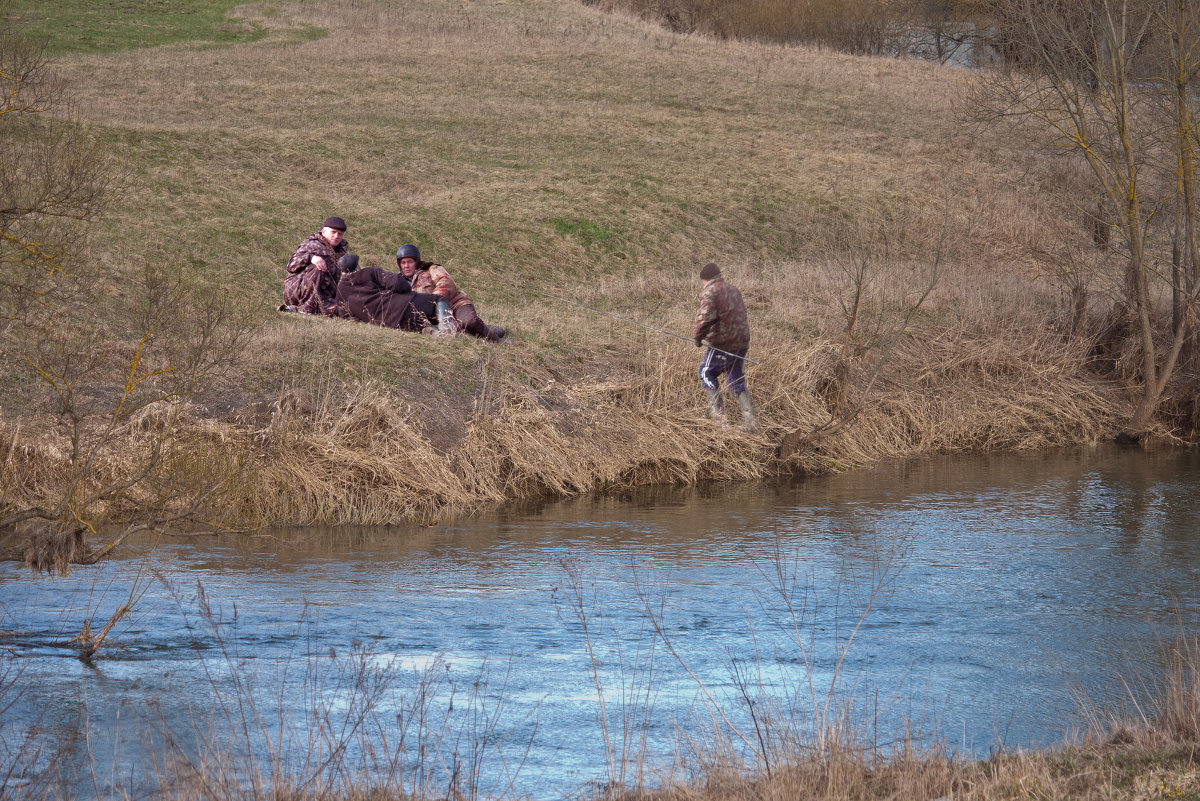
[[363, 454], [548, 152]]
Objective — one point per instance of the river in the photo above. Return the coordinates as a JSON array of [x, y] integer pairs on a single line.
[[545, 649]]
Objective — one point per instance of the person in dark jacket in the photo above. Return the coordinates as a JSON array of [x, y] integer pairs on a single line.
[[721, 324], [372, 295], [312, 272]]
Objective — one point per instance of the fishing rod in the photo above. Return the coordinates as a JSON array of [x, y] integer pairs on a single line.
[[652, 328]]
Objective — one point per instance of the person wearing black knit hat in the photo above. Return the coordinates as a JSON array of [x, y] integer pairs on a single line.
[[721, 324], [313, 272]]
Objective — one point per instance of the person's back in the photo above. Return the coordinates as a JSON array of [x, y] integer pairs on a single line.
[[361, 293], [722, 320]]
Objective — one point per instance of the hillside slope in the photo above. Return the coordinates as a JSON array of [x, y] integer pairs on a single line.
[[564, 163]]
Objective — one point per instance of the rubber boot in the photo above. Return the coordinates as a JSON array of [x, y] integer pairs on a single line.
[[444, 315], [749, 418], [716, 407]]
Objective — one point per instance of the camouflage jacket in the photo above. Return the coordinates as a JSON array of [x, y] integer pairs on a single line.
[[308, 289], [721, 321], [434, 278]]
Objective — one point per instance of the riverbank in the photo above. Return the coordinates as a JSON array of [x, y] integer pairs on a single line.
[[554, 158], [363, 454]]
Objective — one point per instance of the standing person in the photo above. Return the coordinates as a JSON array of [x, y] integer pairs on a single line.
[[428, 277], [372, 295], [313, 273], [722, 322]]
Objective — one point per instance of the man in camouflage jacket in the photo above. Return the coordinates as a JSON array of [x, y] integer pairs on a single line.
[[313, 273], [457, 308], [721, 324]]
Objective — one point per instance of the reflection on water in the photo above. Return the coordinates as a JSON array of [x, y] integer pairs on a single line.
[[995, 585]]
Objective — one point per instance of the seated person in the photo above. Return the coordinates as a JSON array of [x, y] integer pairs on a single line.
[[313, 275], [457, 312], [372, 295]]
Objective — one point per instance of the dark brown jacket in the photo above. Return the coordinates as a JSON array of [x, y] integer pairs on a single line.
[[722, 317], [377, 296]]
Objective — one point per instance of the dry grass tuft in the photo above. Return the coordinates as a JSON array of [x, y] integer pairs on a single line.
[[358, 453]]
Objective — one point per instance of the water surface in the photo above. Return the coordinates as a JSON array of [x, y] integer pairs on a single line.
[[973, 596]]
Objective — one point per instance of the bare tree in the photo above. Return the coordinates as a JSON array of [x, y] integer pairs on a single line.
[[1086, 73], [943, 30], [1178, 57], [113, 370], [52, 180], [869, 338]]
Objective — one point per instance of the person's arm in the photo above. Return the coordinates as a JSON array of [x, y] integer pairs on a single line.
[[394, 281], [305, 255], [706, 318], [443, 284], [299, 260]]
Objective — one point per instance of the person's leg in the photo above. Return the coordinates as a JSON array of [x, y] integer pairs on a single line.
[[710, 371], [466, 315], [421, 312], [446, 322], [749, 418], [736, 381]]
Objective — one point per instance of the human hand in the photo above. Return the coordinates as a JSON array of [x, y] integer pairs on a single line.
[[319, 263]]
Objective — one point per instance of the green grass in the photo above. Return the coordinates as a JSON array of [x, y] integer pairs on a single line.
[[587, 233], [107, 26]]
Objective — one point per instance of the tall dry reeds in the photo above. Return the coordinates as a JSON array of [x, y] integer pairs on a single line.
[[360, 453]]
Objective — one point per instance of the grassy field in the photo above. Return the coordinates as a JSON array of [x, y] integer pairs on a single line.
[[555, 157]]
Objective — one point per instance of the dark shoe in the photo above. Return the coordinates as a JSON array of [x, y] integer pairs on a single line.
[[495, 333]]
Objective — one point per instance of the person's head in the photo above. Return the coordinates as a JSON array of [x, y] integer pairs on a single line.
[[407, 259], [348, 263], [333, 230], [709, 271]]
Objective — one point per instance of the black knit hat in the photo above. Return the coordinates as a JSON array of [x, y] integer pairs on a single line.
[[336, 223], [710, 270]]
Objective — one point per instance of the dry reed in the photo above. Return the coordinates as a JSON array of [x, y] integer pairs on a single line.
[[360, 454]]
